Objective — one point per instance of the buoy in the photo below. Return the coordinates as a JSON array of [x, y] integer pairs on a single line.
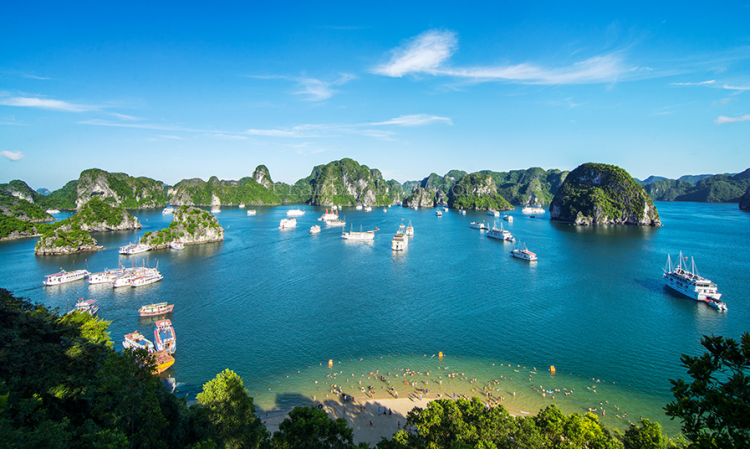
[[330, 363], [440, 355], [552, 369]]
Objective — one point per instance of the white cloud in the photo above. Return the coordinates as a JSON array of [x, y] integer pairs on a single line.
[[421, 54], [99, 122], [172, 137], [321, 90], [414, 120], [723, 119], [34, 77], [125, 117], [12, 155], [227, 136], [736, 87], [429, 52], [46, 103], [694, 84]]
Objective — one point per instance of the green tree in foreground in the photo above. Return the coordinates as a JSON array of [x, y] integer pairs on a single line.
[[226, 405], [715, 406], [311, 428]]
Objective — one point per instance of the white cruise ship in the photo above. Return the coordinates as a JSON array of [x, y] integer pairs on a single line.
[[107, 276], [65, 276], [242, 205], [126, 280], [134, 248], [251, 212], [524, 254], [690, 284], [368, 209], [409, 230], [329, 216], [535, 209], [167, 210], [335, 223], [479, 225], [287, 223], [500, 234], [399, 242], [315, 229], [146, 279], [358, 235], [295, 213], [176, 244], [52, 211], [494, 213]]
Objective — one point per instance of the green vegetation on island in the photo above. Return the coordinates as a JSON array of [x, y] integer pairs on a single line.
[[196, 192], [526, 187], [63, 385], [63, 198], [745, 200], [23, 210], [700, 188], [190, 225], [120, 189], [477, 191], [65, 240], [13, 228], [603, 194]]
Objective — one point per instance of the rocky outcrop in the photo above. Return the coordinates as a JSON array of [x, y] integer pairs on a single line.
[[346, 183], [262, 176], [119, 189], [603, 194], [98, 216], [745, 200], [531, 186], [420, 197], [216, 192], [190, 225], [477, 191], [62, 241], [15, 206], [433, 190]]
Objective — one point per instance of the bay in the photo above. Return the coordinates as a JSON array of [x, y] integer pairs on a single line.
[[276, 305]]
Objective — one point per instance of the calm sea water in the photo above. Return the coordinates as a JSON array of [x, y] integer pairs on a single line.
[[277, 305]]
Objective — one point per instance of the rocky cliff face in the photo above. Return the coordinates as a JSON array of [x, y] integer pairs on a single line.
[[745, 200], [262, 176], [119, 189], [433, 190], [190, 225], [216, 192], [603, 194], [531, 186], [347, 183], [420, 197]]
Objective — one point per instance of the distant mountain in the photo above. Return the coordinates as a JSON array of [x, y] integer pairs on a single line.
[[711, 189], [43, 191], [650, 180]]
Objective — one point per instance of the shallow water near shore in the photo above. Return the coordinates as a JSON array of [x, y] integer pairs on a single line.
[[270, 303]]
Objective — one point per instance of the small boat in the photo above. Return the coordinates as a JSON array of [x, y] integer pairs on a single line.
[[535, 209], [242, 205], [359, 207], [385, 209], [523, 253], [462, 212], [479, 225], [315, 229], [410, 230], [163, 361], [401, 229], [399, 242], [176, 244], [52, 211], [439, 213], [146, 279], [167, 210], [358, 236], [63, 277], [334, 207], [86, 306], [295, 212], [688, 282], [508, 218], [493, 212], [164, 337], [157, 309], [368, 209], [251, 212], [134, 248], [445, 209], [136, 340], [215, 210], [287, 223]]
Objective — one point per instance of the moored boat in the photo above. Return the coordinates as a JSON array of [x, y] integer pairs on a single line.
[[86, 306], [287, 223], [134, 248], [146, 279], [161, 308], [688, 282], [163, 361], [52, 211], [164, 336], [409, 230], [295, 212], [493, 212], [215, 210], [500, 234], [508, 218], [167, 210], [479, 225], [107, 276], [368, 209], [136, 340], [535, 209], [242, 205], [63, 277], [462, 212], [176, 244]]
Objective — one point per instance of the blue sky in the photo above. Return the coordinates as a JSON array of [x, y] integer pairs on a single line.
[[182, 90]]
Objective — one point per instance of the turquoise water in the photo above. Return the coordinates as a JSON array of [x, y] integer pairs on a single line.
[[276, 305]]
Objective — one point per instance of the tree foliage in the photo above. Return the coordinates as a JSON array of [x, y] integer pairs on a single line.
[[311, 428], [715, 406]]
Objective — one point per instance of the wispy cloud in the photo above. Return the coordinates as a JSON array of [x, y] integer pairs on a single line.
[[11, 120], [34, 77], [414, 120], [125, 117], [702, 83], [723, 119], [227, 136], [726, 86], [429, 52], [12, 155], [99, 122], [172, 137], [318, 90], [46, 103]]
